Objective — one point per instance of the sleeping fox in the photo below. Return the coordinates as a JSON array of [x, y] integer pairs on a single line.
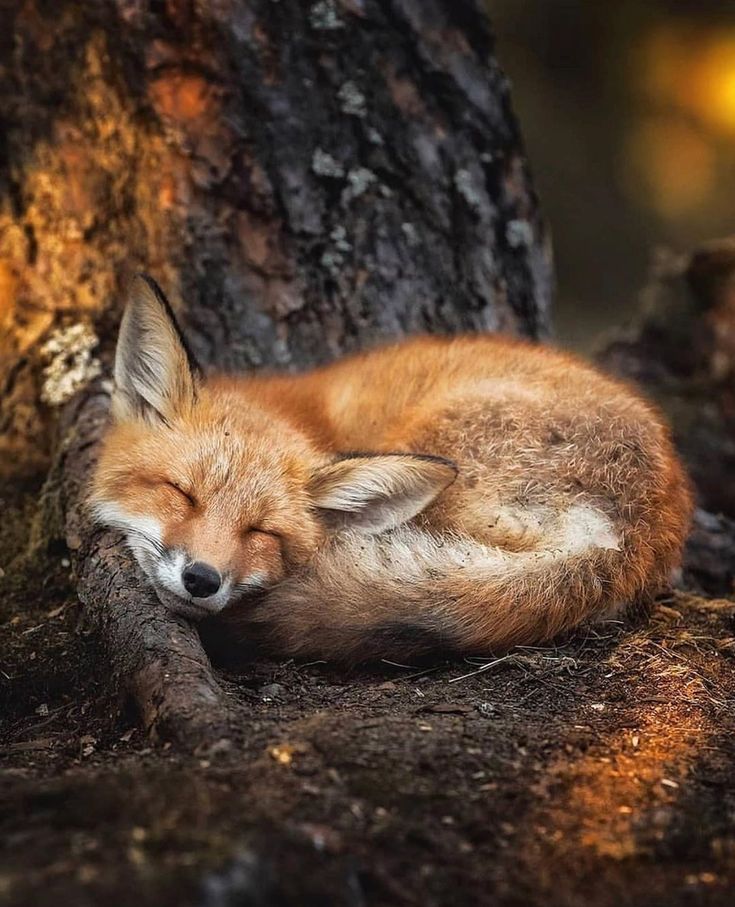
[[457, 494]]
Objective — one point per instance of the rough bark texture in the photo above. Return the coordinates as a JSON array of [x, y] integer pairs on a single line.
[[681, 350], [307, 177]]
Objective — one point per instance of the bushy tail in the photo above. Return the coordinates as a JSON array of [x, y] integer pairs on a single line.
[[409, 593]]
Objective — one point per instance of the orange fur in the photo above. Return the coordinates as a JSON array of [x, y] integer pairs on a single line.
[[569, 501]]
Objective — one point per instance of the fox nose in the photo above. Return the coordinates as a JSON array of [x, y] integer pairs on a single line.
[[200, 580]]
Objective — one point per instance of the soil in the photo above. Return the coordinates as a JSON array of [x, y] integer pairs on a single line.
[[599, 771]]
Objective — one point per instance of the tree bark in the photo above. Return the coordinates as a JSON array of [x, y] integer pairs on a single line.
[[307, 178]]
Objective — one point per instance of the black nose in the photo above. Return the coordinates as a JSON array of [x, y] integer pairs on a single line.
[[201, 580]]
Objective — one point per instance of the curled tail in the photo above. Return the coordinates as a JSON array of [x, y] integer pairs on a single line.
[[410, 592]]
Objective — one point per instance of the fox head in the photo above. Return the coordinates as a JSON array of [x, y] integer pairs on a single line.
[[220, 496]]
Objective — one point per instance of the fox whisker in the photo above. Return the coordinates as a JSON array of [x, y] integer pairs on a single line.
[[157, 546]]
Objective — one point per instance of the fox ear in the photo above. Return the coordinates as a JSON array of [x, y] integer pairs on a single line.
[[378, 492], [156, 375]]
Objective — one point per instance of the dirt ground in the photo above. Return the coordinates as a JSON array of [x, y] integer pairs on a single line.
[[598, 772]]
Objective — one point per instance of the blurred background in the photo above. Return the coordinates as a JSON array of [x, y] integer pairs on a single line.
[[628, 111]]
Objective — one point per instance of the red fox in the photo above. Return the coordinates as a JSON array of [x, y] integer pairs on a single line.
[[458, 494]]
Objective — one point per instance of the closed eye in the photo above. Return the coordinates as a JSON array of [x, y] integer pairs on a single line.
[[262, 531], [184, 494]]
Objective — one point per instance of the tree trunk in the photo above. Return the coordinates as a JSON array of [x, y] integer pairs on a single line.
[[303, 179]]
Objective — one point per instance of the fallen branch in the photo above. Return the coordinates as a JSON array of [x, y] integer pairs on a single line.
[[155, 656]]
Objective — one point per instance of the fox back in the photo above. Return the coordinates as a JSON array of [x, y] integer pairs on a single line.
[[462, 494]]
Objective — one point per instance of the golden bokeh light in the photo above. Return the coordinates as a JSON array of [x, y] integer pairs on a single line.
[[692, 70], [715, 85], [674, 152], [669, 164]]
